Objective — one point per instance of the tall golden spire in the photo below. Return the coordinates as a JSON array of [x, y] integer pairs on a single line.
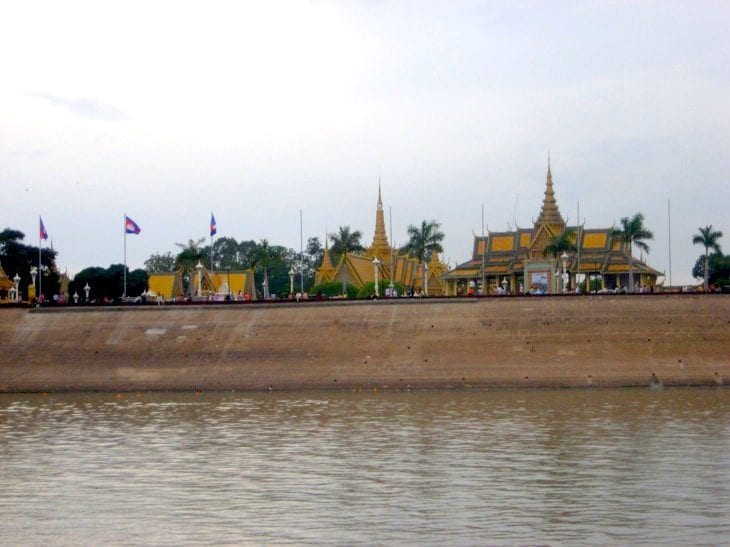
[[326, 271], [549, 214], [326, 261], [380, 245]]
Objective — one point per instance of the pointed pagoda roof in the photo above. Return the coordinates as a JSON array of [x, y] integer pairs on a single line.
[[380, 238], [549, 214], [326, 260]]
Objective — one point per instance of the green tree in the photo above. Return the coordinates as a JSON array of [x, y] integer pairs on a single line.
[[266, 258], [225, 254], [345, 241], [633, 232], [708, 238], [559, 244], [108, 283], [718, 269], [423, 241], [190, 254], [160, 263], [18, 258]]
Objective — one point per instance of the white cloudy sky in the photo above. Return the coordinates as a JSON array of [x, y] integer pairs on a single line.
[[170, 110]]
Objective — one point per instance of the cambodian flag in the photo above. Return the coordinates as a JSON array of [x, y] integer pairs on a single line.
[[130, 226], [43, 234], [213, 227]]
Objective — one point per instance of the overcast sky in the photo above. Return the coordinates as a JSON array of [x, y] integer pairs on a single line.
[[170, 110]]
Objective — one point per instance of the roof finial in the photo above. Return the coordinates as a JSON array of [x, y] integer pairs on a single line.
[[549, 163], [380, 200]]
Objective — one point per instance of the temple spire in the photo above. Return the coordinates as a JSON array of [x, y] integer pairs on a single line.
[[380, 245], [549, 214]]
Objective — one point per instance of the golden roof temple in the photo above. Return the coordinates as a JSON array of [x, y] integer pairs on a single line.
[[358, 269], [515, 261], [213, 284]]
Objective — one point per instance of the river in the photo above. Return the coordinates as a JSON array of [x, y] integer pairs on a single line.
[[576, 466]]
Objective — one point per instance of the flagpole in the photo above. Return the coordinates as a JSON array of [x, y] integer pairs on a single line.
[[301, 253], [40, 267], [211, 243], [125, 256]]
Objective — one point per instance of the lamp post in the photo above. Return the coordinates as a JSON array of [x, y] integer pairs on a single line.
[[199, 267], [264, 284], [376, 263], [564, 258], [291, 279], [33, 272], [504, 284], [425, 279], [76, 297], [16, 280], [86, 290]]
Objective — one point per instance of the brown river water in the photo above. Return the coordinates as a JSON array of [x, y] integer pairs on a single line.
[[627, 466]]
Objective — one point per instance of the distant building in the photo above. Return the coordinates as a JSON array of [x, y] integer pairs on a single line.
[[515, 260], [358, 269], [214, 284]]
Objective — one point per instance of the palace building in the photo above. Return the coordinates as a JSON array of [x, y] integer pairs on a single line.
[[359, 269], [515, 261], [213, 284]]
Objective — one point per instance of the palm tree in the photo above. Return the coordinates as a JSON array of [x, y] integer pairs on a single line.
[[708, 238], [191, 253], [560, 243], [424, 241], [264, 257], [633, 232], [345, 241]]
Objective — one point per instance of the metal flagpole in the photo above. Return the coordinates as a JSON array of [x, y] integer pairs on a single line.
[[40, 266], [301, 253], [211, 243], [669, 229], [124, 295], [484, 254], [579, 237], [392, 247]]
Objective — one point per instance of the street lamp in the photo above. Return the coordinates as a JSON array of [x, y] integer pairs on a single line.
[[265, 284], [16, 280], [504, 284], [33, 272], [564, 258], [291, 279], [376, 263], [76, 297], [199, 267], [87, 289]]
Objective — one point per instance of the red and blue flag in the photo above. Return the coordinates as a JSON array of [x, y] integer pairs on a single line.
[[130, 226], [42, 232], [213, 227]]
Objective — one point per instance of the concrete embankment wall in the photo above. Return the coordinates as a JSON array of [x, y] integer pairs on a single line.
[[465, 343]]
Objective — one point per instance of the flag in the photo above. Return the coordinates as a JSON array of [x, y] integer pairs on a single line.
[[213, 227], [130, 226], [43, 233]]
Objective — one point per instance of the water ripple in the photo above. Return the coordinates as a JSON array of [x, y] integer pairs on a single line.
[[426, 468]]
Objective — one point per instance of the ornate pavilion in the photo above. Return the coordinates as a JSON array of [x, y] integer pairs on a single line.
[[359, 269], [515, 260], [212, 283]]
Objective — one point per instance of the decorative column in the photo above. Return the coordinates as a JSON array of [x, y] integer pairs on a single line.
[[199, 267], [376, 263], [291, 280], [425, 279]]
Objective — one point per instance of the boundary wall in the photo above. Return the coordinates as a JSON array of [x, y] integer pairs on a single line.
[[601, 341]]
